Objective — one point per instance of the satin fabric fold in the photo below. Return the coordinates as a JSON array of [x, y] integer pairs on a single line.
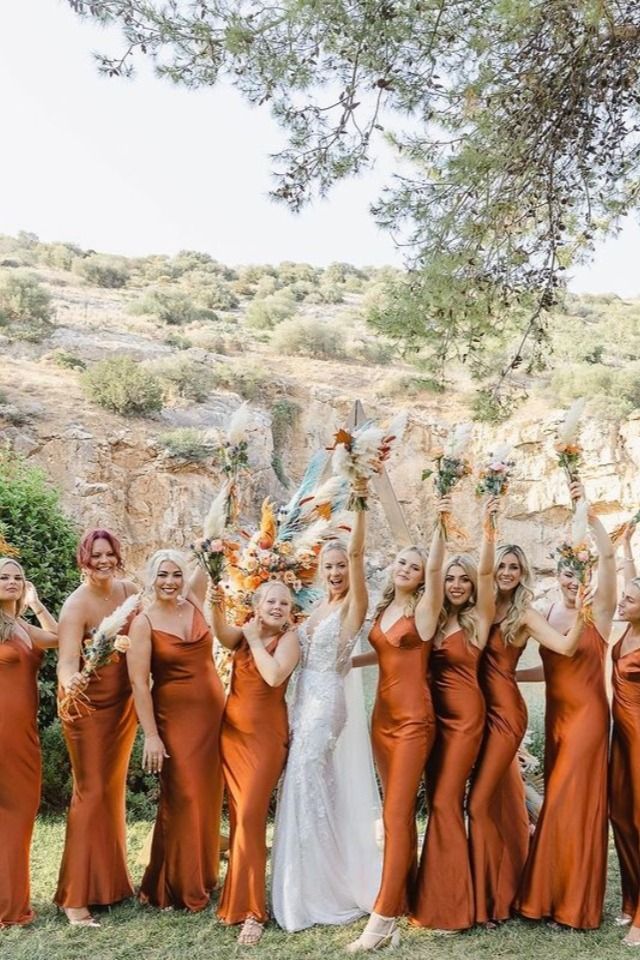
[[188, 701], [254, 744], [565, 873], [94, 863], [444, 889], [498, 821], [403, 730], [20, 775], [624, 775]]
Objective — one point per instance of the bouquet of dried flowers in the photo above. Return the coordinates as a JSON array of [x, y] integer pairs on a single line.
[[452, 465], [494, 478], [567, 445], [358, 457], [104, 646]]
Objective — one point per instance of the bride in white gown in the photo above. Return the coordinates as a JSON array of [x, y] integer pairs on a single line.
[[326, 863]]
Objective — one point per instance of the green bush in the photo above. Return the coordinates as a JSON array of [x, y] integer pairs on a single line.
[[56, 769], [488, 408], [123, 386], [186, 443], [32, 520], [68, 360], [172, 307], [211, 292], [178, 341], [268, 313], [25, 306], [103, 271], [309, 337], [143, 789], [614, 390], [250, 381], [408, 385], [184, 378]]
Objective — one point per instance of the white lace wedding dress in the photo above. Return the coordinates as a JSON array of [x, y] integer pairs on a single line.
[[326, 863]]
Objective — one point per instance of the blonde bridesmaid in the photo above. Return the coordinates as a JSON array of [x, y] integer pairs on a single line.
[[254, 744], [565, 874], [21, 646], [181, 715]]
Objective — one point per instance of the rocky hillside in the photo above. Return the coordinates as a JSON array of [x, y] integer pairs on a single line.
[[293, 341]]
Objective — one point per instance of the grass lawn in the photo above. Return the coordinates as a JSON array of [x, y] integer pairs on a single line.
[[132, 932]]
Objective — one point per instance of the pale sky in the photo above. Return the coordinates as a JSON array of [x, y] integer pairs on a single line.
[[145, 167]]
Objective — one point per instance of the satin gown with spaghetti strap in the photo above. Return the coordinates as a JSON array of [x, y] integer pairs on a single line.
[[20, 775], [565, 873], [254, 743], [188, 702], [403, 730], [94, 862], [624, 774], [444, 891], [498, 820]]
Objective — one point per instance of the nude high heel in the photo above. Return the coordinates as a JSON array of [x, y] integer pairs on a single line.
[[376, 939]]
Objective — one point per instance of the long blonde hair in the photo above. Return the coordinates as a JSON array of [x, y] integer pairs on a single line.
[[7, 623], [466, 614], [521, 597], [389, 590]]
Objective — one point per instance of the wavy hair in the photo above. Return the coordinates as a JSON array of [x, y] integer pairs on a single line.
[[521, 597], [83, 553], [389, 590], [156, 561], [466, 614], [6, 622]]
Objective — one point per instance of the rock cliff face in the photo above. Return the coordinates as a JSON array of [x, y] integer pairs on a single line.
[[115, 473]]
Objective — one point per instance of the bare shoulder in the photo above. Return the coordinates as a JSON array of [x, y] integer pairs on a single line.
[[140, 625], [130, 587], [76, 603]]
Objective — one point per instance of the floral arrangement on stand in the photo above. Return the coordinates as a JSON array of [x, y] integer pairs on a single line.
[[104, 646], [494, 478], [451, 466]]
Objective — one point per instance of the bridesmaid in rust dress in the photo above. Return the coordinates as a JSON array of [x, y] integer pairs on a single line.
[[624, 770], [254, 743], [21, 646], [94, 865], [564, 878], [403, 723], [444, 895], [498, 820], [181, 718]]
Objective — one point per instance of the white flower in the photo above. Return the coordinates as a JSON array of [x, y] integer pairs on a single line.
[[458, 441], [310, 537], [239, 425], [342, 462], [568, 430], [580, 524], [113, 624], [215, 521]]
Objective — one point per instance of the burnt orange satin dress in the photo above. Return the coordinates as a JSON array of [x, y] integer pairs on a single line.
[[94, 863], [20, 775], [188, 702], [624, 775], [254, 744], [498, 821], [444, 891], [565, 873], [402, 730]]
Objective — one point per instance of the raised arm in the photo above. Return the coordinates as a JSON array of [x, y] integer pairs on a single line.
[[358, 598], [139, 666], [198, 584], [45, 635], [629, 565], [274, 668], [486, 596], [430, 603], [606, 596], [228, 635], [538, 627]]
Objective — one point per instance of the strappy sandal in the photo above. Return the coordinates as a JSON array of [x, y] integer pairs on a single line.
[[387, 936], [251, 933], [86, 921]]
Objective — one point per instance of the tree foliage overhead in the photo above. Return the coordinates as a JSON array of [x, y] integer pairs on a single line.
[[516, 123]]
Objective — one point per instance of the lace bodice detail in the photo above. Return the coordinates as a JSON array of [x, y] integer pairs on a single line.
[[324, 650]]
